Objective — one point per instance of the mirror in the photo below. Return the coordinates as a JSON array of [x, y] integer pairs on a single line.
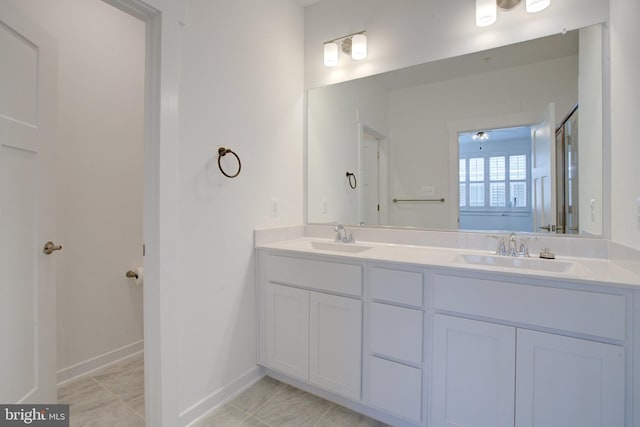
[[393, 149]]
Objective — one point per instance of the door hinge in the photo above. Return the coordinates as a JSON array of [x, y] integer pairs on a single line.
[[378, 207], [144, 250]]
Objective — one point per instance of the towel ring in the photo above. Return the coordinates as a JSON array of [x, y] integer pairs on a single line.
[[223, 152], [352, 183]]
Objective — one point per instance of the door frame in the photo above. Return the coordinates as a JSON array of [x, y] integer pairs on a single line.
[[162, 20], [454, 128], [363, 131]]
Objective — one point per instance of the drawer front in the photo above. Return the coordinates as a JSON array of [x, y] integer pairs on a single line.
[[396, 332], [403, 287], [590, 313], [395, 388], [321, 275]]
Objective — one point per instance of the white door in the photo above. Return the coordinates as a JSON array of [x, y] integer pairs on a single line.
[[288, 330], [27, 275], [335, 343], [473, 373], [543, 170], [568, 382]]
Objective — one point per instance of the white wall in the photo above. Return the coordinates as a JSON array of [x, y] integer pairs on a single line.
[[419, 118], [625, 110], [241, 86], [100, 167], [409, 32], [334, 116], [590, 121]]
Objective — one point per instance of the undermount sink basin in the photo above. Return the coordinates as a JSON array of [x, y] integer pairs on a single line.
[[534, 264], [339, 247]]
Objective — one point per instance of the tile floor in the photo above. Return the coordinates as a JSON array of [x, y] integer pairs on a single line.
[[114, 396]]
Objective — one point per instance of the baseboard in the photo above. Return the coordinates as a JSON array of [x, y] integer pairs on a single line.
[[220, 397], [70, 373]]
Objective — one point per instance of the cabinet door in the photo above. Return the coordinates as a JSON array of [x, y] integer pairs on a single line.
[[288, 330], [473, 373], [568, 382], [335, 347]]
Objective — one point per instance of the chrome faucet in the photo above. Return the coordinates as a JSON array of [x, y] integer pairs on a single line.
[[342, 235], [510, 246]]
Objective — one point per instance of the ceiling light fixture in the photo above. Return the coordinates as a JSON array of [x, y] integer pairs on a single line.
[[353, 44], [480, 136], [487, 10]]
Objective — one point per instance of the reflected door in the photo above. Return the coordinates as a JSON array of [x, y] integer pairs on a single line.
[[27, 276], [567, 175], [543, 171]]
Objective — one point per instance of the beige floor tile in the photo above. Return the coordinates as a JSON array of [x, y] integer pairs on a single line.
[[125, 380], [292, 407], [252, 399], [138, 406], [113, 414], [70, 391], [227, 416], [339, 416]]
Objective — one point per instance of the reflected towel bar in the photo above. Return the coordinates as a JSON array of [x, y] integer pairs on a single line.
[[418, 200]]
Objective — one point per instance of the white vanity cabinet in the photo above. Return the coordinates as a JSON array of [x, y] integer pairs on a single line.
[[395, 332], [425, 346], [502, 372], [308, 331]]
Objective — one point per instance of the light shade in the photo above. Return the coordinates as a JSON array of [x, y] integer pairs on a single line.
[[330, 54], [534, 6], [359, 47], [486, 12]]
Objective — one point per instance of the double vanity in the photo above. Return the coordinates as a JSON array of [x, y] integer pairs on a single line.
[[436, 330]]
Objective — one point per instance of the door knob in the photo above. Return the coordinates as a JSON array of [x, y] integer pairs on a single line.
[[50, 248]]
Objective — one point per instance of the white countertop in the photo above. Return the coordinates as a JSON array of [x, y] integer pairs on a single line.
[[591, 270]]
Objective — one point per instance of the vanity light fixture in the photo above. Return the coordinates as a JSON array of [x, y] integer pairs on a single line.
[[353, 44], [487, 10], [330, 54], [534, 6]]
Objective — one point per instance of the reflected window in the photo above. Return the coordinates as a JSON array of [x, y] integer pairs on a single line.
[[494, 171]]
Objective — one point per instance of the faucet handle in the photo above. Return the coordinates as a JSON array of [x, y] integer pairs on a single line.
[[524, 249]]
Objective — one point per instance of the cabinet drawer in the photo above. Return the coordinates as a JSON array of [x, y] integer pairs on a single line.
[[590, 313], [321, 275], [396, 332], [395, 388], [403, 287]]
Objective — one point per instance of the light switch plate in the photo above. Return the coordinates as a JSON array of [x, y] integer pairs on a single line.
[[274, 208], [428, 190]]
